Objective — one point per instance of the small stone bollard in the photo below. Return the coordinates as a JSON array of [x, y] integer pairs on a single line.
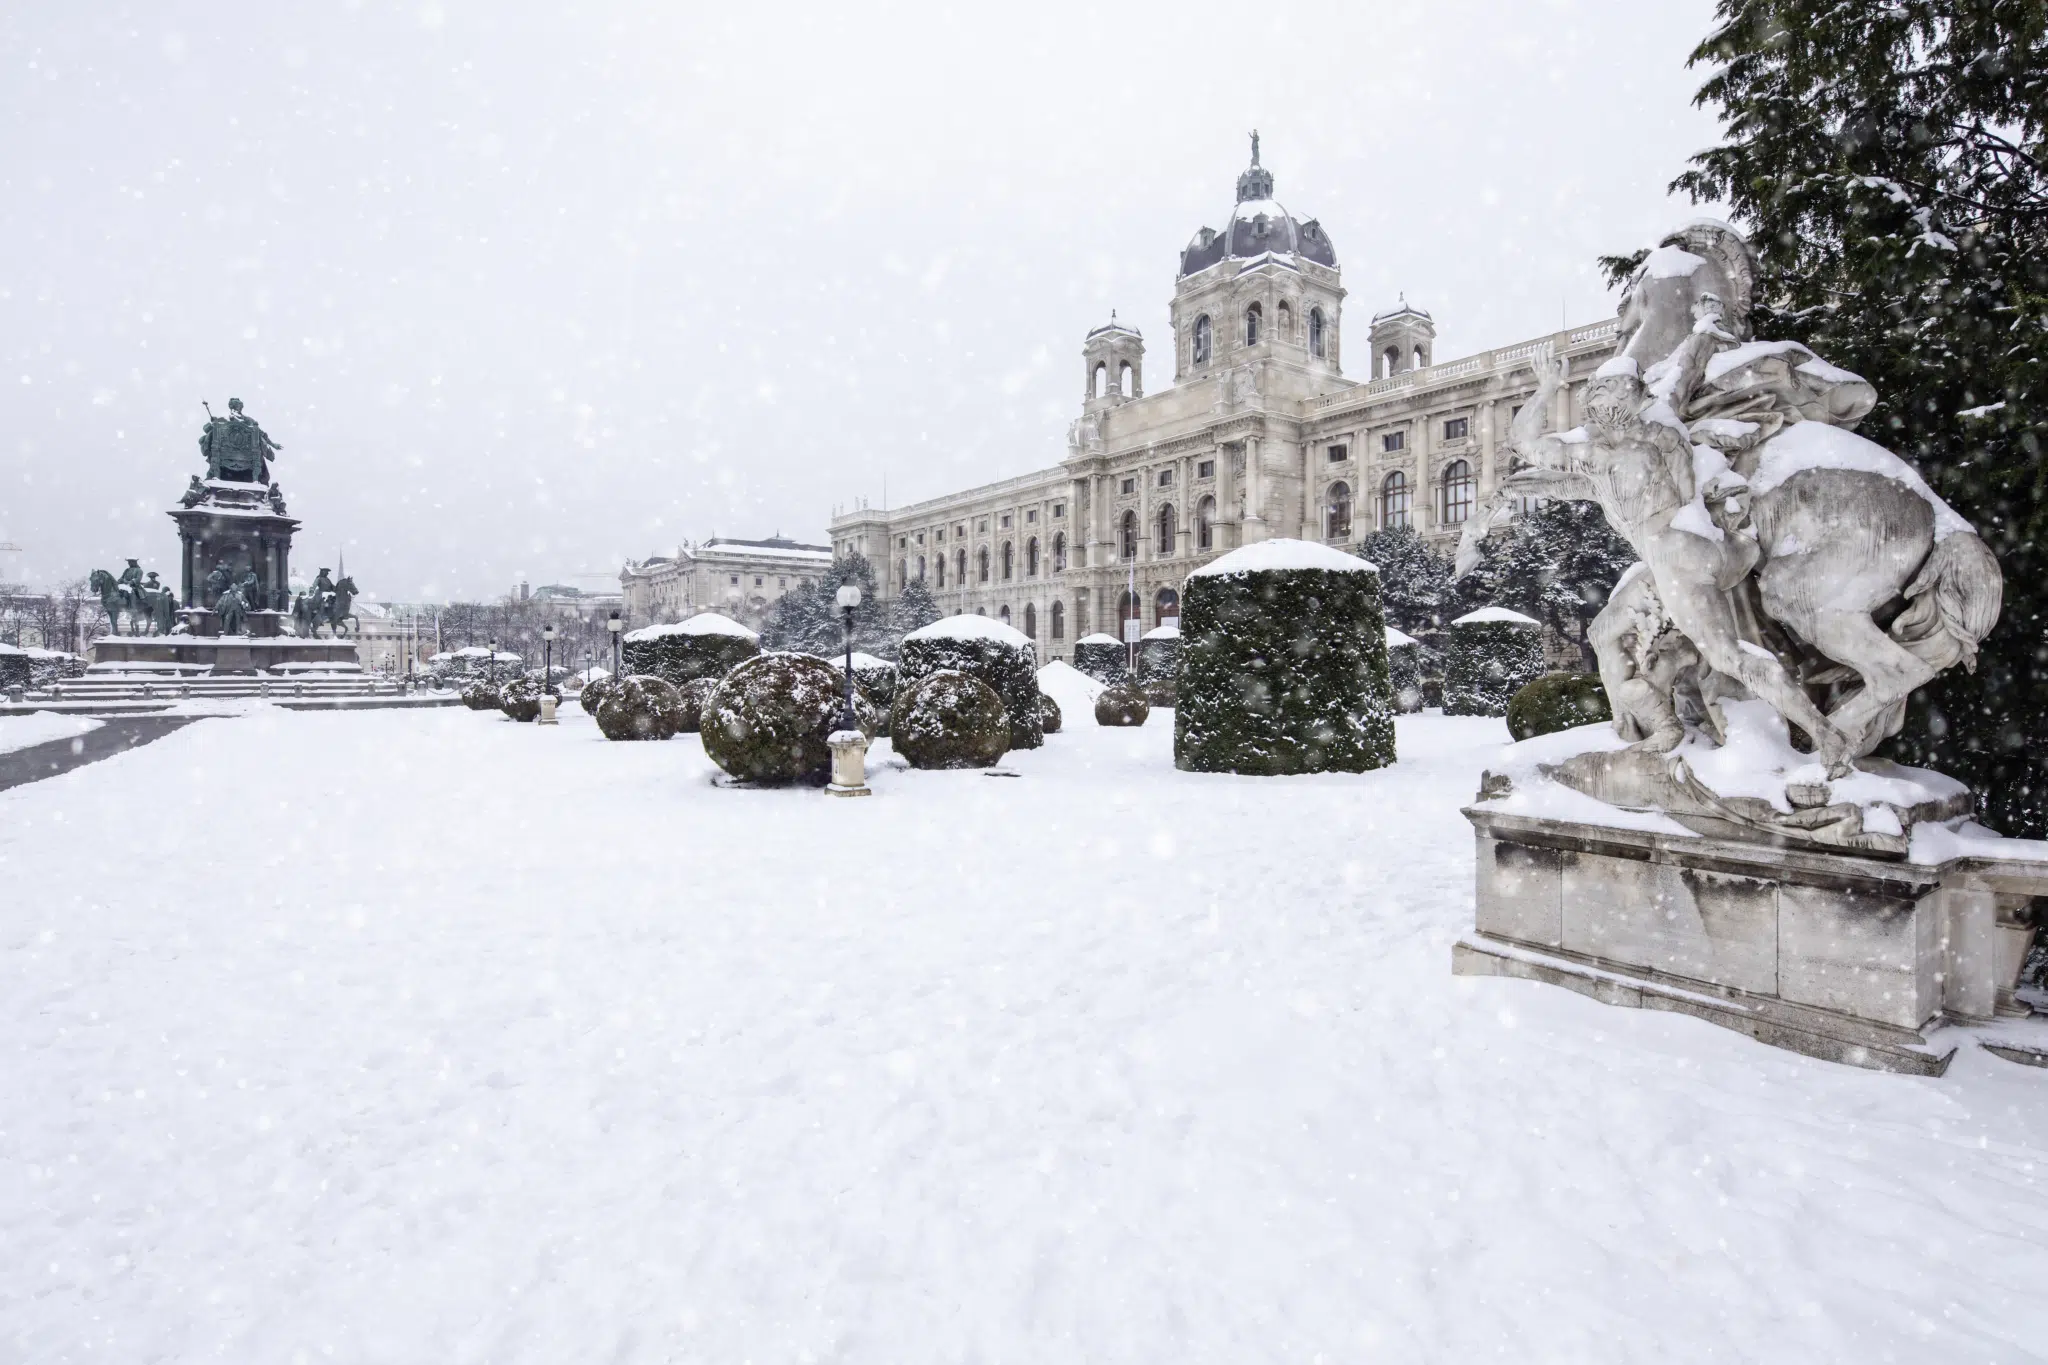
[[17, 694], [849, 764], [547, 709]]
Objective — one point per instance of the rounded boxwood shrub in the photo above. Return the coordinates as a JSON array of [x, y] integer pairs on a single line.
[[1493, 653], [520, 699], [694, 693], [640, 707], [1048, 714], [480, 696], [1102, 657], [949, 719], [1121, 704], [705, 646], [1404, 671], [594, 692], [1001, 656], [769, 719], [1283, 664], [1557, 701]]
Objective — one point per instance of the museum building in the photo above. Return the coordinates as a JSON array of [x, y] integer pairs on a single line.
[[1259, 435]]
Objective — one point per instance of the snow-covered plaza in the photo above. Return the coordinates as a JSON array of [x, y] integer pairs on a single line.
[[433, 1036]]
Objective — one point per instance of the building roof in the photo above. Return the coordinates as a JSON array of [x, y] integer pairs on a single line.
[[1259, 225]]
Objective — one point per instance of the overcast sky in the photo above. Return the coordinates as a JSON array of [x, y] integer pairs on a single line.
[[527, 289]]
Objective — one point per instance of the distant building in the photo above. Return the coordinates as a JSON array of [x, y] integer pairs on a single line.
[[742, 579], [579, 601]]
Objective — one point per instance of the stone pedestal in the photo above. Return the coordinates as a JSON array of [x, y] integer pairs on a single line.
[[547, 709], [190, 655], [237, 526], [849, 764], [1844, 957]]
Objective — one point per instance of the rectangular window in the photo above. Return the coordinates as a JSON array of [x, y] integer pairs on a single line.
[[901, 541], [1165, 478], [941, 537], [1059, 509], [735, 580], [1393, 441], [782, 582], [1130, 485], [920, 537], [1206, 469], [1032, 515], [961, 529], [1339, 454], [984, 525], [1457, 428], [757, 580]]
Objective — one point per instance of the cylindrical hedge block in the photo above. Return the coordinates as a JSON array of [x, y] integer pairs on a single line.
[[949, 719], [1283, 664], [1493, 653], [1103, 658], [707, 645], [770, 717], [1404, 670], [1001, 656], [1159, 664]]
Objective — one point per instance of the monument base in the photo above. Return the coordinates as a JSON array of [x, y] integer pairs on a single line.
[[193, 655], [1845, 957]]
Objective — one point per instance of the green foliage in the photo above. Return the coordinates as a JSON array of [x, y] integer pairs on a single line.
[[480, 696], [640, 707], [769, 719], [1048, 714], [593, 694], [915, 609], [1283, 671], [1557, 701], [520, 698], [949, 719], [807, 618], [692, 697], [1557, 563], [1159, 661], [1106, 661], [1011, 671], [1122, 704], [1404, 675], [677, 657], [1486, 663], [1888, 163]]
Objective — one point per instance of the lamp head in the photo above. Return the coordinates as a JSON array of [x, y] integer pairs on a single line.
[[849, 596]]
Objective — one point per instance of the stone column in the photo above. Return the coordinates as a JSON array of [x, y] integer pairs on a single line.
[[1254, 492], [1311, 511], [1488, 415], [1185, 534], [1970, 952]]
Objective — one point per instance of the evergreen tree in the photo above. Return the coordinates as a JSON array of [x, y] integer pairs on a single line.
[[914, 608], [808, 619], [1888, 163], [1557, 563], [1415, 581]]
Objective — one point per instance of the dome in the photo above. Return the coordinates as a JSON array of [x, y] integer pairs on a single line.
[[1401, 309], [1258, 224]]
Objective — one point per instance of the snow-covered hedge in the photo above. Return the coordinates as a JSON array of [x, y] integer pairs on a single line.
[[1102, 657], [1493, 653], [705, 646], [1049, 718], [1404, 670], [950, 719], [876, 677], [1283, 664], [1122, 704], [594, 692], [640, 707], [1000, 656], [480, 695], [770, 717], [1557, 701], [520, 698], [14, 667], [46, 666], [1159, 663], [695, 694]]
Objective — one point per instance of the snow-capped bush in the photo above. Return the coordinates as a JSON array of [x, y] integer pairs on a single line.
[[950, 719], [46, 666], [640, 707], [1493, 653], [1102, 657], [1283, 664], [707, 645], [520, 698], [1000, 656], [1557, 701], [594, 692], [480, 695], [1159, 664], [694, 694], [1122, 704], [1049, 718], [14, 667], [1404, 670], [769, 719], [877, 678]]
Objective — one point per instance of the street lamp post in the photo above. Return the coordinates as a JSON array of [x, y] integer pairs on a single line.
[[849, 744], [849, 598], [491, 664], [615, 625], [547, 674]]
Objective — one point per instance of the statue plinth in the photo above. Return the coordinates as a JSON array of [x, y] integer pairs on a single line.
[[239, 527]]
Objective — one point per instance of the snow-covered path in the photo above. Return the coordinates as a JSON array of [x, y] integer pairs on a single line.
[[430, 1037]]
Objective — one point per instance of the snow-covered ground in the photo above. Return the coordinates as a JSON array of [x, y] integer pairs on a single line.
[[430, 1037], [40, 727]]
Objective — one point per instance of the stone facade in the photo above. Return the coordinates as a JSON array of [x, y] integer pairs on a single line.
[[1259, 435], [742, 579]]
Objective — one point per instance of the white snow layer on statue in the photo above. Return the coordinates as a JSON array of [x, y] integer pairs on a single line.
[[40, 727], [1067, 685], [1264, 555], [1395, 639], [704, 623], [1163, 633], [1671, 262], [1758, 760], [1816, 445], [1536, 795], [971, 627], [1495, 615]]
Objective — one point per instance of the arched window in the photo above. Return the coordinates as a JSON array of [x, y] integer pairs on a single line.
[[939, 565], [1127, 608], [1390, 361], [1031, 619], [920, 568], [1059, 552], [1339, 512], [1003, 613], [1205, 524], [1009, 561], [1100, 383], [1253, 316], [1129, 536], [1059, 620], [903, 572], [1166, 607], [1315, 331], [984, 563], [1285, 317], [1395, 500], [1126, 380], [1166, 530], [1200, 352], [1031, 557], [960, 567], [1458, 488], [1421, 359]]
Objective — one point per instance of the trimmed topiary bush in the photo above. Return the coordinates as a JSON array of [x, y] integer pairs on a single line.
[[1493, 653], [876, 677], [1159, 664], [520, 699], [1000, 656], [1159, 692], [640, 707], [1048, 714], [949, 719], [1404, 671], [1557, 701], [1283, 664], [480, 696], [769, 719], [594, 692], [1103, 658], [1121, 704], [705, 646], [694, 694]]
